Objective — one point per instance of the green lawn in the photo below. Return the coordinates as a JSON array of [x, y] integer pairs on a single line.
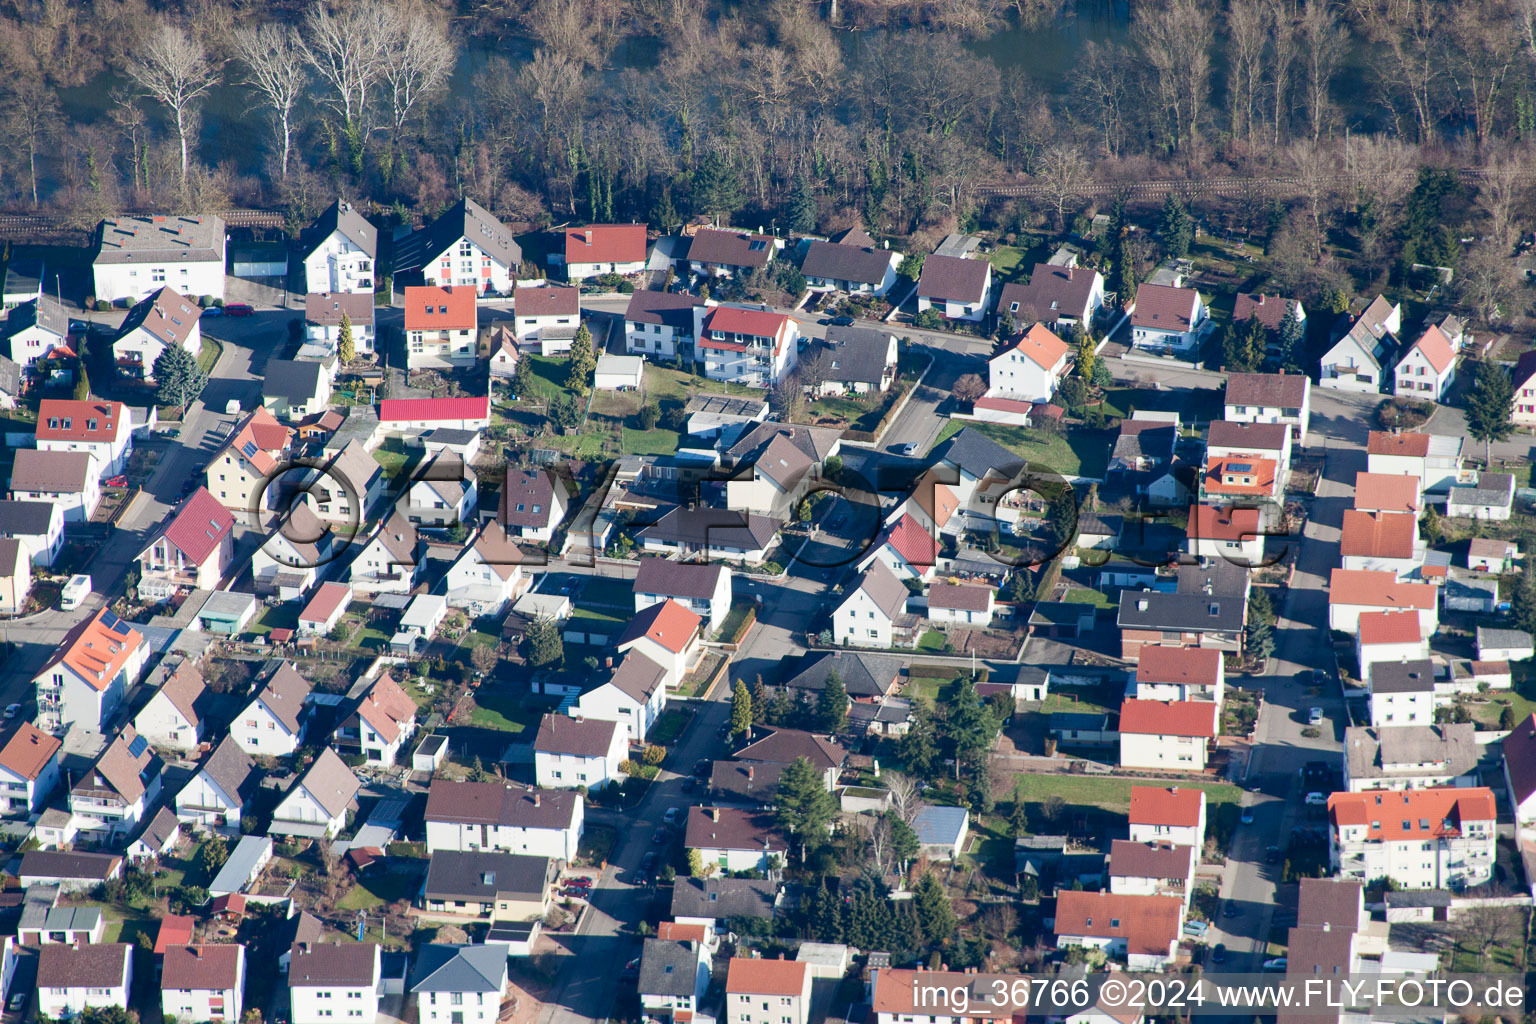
[[1522, 698], [1075, 453], [1011, 262], [1082, 595], [209, 354], [283, 616], [932, 641], [393, 456], [662, 384], [668, 727], [502, 712], [1065, 702], [377, 889], [1110, 794], [650, 442], [548, 377]]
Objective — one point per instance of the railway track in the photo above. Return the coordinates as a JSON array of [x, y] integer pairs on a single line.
[[28, 225]]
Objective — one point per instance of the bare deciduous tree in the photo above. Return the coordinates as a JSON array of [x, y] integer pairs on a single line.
[[348, 52], [1483, 46], [1485, 279], [903, 790], [31, 117], [1062, 173], [417, 64], [1173, 38], [1101, 83], [1409, 56], [1281, 22], [1323, 46], [173, 68], [1247, 37], [278, 67], [1501, 191]]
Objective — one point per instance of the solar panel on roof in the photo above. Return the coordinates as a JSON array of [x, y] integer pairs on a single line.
[[249, 448], [756, 245], [1240, 467], [138, 746]]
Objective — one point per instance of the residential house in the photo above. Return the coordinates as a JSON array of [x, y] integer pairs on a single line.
[[1059, 296], [634, 694], [775, 482], [1383, 541], [704, 590], [326, 976], [867, 678], [905, 546], [712, 902], [1270, 398], [1192, 616], [1421, 839], [1361, 358], [735, 840], [1388, 637], [85, 679], [1029, 366], [488, 576], [855, 361], [667, 634], [1523, 409], [193, 550], [70, 871], [325, 609], [440, 326], [1180, 674], [941, 831], [1171, 814], [1434, 458], [109, 799], [1246, 462], [320, 801], [35, 328], [1518, 755], [412, 417], [767, 991], [340, 253], [780, 747], [1410, 756], [219, 792], [571, 752], [1142, 930], [661, 323], [10, 382], [104, 429], [533, 503], [272, 724], [466, 247], [292, 389], [459, 983], [595, 250], [137, 255], [1168, 318], [388, 563], [419, 623], [69, 480], [29, 770], [324, 314], [1488, 554], [290, 560], [958, 287], [21, 281], [174, 717], [984, 471], [1351, 592], [74, 978], [548, 315], [441, 493], [725, 253], [1402, 693], [852, 264], [674, 975], [964, 604], [708, 534], [499, 887], [15, 576], [1152, 869], [1491, 499], [1427, 367], [1142, 462], [504, 817], [240, 472], [874, 612], [161, 320], [1386, 492], [747, 346], [1228, 532], [377, 720], [1503, 644], [1167, 735], [1271, 311], [204, 982]]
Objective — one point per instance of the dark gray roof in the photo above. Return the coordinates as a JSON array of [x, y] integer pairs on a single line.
[[579, 737], [342, 216], [668, 968], [841, 262], [1217, 576], [159, 829], [863, 675], [442, 968], [677, 579], [42, 312], [233, 769], [1489, 637], [856, 354], [742, 781], [23, 276], [729, 531], [1403, 676], [495, 803], [731, 248], [480, 875], [62, 864], [669, 308], [891, 711], [465, 219], [1148, 609], [953, 278], [978, 455], [1403, 750], [166, 239], [293, 379], [785, 745], [1053, 291], [1418, 898], [718, 898], [815, 442], [25, 518], [10, 376]]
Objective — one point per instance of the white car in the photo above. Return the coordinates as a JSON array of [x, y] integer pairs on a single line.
[[12, 710], [1315, 716], [1279, 963], [1316, 799]]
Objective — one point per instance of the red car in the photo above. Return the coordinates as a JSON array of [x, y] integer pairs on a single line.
[[238, 309], [117, 481]]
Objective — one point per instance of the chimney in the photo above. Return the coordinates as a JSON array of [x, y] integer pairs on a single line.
[[1261, 299], [536, 798], [1141, 605], [714, 814], [750, 773], [589, 236]]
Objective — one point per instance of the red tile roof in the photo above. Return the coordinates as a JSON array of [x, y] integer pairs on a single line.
[[1168, 718], [1378, 534], [1040, 345], [668, 624], [52, 415], [1389, 628], [754, 322], [1412, 814], [1386, 492], [913, 543], [387, 707], [1383, 442], [1378, 589], [327, 599], [1148, 924], [1190, 666], [1436, 348], [1212, 522], [175, 929], [1254, 437], [547, 300], [1162, 307], [672, 930], [1260, 471], [430, 308], [605, 243], [766, 977], [1155, 805], [200, 526], [407, 410], [28, 751], [953, 278], [98, 648], [1269, 310], [202, 968]]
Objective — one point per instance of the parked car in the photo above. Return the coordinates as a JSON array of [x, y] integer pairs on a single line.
[[840, 321], [116, 481], [212, 311], [239, 309], [1218, 953], [1272, 855], [658, 837], [1197, 928], [1315, 799], [580, 881], [1278, 963], [673, 816], [1315, 716], [910, 448], [632, 969], [12, 710], [1247, 816]]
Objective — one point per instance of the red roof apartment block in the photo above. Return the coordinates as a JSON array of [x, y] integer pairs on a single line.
[[1389, 628], [1186, 666], [1413, 814], [430, 308], [605, 243], [1169, 718], [1173, 807], [1387, 492]]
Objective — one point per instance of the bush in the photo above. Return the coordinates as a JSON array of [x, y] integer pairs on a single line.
[[654, 754], [626, 287], [103, 306], [218, 302], [205, 301], [773, 568], [629, 767]]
